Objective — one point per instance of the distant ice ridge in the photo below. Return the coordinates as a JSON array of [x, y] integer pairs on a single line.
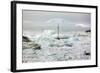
[[74, 46]]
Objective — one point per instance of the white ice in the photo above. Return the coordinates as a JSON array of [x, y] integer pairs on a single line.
[[74, 47]]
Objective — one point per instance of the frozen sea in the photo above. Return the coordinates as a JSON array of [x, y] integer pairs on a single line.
[[71, 46]]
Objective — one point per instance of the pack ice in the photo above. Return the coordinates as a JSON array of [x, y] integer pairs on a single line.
[[45, 47]]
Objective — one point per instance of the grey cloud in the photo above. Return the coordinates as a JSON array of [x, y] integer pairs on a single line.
[[43, 20]]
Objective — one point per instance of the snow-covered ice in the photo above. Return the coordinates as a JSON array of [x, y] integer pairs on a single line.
[[74, 46]]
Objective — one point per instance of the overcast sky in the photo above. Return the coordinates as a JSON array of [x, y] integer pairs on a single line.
[[37, 21]]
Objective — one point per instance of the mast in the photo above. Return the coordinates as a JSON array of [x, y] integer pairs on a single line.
[[58, 32]]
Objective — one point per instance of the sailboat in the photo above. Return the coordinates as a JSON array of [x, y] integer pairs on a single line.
[[58, 32], [59, 38]]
